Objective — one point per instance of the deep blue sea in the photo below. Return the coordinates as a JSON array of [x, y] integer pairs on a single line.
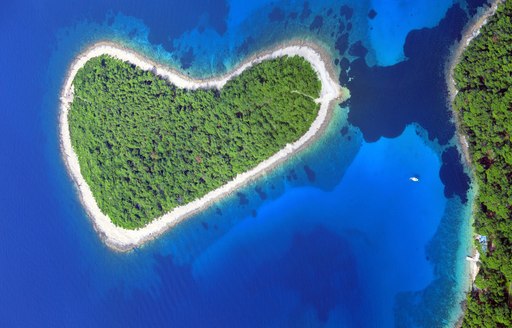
[[336, 237]]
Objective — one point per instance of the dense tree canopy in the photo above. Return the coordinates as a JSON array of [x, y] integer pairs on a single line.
[[146, 146], [484, 105]]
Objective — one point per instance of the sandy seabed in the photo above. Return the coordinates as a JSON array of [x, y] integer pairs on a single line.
[[122, 239]]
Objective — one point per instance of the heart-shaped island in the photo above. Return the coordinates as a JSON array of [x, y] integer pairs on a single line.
[[148, 146]]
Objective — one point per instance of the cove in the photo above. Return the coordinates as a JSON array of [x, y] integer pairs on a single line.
[[361, 244]]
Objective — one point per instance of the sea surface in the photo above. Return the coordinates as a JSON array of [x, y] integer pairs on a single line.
[[338, 236]]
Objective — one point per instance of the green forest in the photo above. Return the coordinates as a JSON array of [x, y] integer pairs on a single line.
[[484, 107], [145, 146]]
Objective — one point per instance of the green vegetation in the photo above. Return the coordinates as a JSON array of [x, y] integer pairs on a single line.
[[484, 104], [146, 146]]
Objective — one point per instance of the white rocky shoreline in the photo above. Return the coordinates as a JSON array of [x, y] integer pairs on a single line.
[[121, 239]]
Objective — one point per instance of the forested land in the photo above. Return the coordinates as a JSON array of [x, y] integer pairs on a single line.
[[484, 107], [146, 146]]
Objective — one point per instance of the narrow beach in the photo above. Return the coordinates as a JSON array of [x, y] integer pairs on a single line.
[[121, 239]]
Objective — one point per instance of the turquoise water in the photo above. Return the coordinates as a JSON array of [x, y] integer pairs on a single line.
[[337, 236], [395, 19]]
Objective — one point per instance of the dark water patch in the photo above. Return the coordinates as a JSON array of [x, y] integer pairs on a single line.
[[218, 211], [344, 64], [293, 15], [474, 5], [455, 180], [410, 91], [244, 47], [167, 19], [327, 277], [132, 33], [242, 198], [324, 277], [336, 156], [306, 12], [341, 27], [276, 15], [254, 213], [372, 14], [136, 306], [344, 130], [179, 17], [349, 26], [346, 11], [329, 12], [344, 77], [187, 58], [292, 175], [336, 61], [317, 23], [220, 66], [262, 194], [310, 173], [341, 44], [205, 225], [110, 19], [201, 28], [358, 50]]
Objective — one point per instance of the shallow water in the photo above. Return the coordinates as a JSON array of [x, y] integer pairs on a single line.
[[338, 236]]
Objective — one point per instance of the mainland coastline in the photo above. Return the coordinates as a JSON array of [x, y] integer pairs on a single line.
[[121, 239], [471, 31]]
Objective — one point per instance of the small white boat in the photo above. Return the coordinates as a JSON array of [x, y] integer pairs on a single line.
[[414, 179]]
